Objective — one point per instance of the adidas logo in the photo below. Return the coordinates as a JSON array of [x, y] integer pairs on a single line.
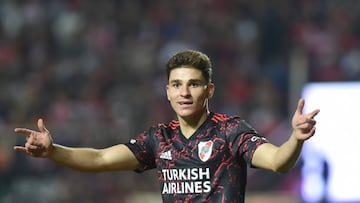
[[166, 155]]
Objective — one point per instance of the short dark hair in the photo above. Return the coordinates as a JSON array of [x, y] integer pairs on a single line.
[[191, 58]]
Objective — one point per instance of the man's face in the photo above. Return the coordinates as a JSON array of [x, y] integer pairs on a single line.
[[188, 92]]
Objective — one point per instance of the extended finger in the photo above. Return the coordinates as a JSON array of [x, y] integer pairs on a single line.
[[300, 106], [23, 150], [20, 149], [313, 113], [41, 125], [23, 131]]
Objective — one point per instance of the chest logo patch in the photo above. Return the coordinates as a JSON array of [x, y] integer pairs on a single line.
[[205, 150]]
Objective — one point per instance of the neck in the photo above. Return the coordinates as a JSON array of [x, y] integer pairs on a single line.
[[189, 125]]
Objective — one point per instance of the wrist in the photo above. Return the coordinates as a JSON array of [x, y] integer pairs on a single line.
[[295, 138], [51, 150]]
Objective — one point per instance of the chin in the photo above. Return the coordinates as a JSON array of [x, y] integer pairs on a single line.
[[188, 114], [185, 114]]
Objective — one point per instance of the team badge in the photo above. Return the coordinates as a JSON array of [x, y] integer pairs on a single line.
[[205, 150]]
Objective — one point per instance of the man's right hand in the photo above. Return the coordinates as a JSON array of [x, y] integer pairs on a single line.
[[38, 143]]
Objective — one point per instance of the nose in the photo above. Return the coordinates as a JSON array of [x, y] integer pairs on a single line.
[[185, 92]]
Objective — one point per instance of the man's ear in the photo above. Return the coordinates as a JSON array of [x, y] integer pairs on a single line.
[[167, 92], [211, 90]]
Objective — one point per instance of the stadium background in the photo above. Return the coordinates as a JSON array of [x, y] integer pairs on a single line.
[[95, 71]]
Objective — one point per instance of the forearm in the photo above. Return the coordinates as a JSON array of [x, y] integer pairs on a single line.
[[288, 154], [81, 159]]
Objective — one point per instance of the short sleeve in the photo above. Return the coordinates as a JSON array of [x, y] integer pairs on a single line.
[[143, 149], [243, 139]]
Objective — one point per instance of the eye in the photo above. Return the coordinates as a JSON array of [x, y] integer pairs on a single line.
[[194, 85], [175, 85]]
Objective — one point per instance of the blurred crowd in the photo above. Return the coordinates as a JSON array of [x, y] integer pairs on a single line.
[[95, 71]]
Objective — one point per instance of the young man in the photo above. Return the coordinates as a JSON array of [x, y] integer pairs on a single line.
[[200, 157]]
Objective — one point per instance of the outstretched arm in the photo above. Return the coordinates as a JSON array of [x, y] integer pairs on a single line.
[[40, 144], [283, 158]]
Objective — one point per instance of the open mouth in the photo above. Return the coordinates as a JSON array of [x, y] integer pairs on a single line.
[[185, 103]]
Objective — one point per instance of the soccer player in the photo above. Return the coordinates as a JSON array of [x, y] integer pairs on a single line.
[[201, 156]]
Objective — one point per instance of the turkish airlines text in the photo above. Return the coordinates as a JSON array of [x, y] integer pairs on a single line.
[[185, 181]]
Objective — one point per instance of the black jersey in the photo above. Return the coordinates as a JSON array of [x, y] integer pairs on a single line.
[[210, 166]]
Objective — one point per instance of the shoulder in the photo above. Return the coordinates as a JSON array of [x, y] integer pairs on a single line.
[[173, 124], [160, 127], [226, 119], [232, 123], [220, 117]]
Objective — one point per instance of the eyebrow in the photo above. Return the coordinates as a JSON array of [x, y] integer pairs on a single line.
[[191, 81]]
